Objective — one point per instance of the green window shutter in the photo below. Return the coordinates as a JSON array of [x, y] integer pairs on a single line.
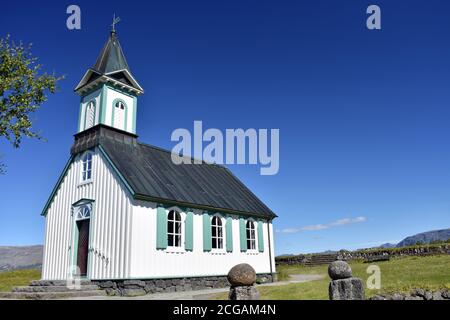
[[189, 230], [161, 228], [206, 232], [229, 234], [243, 234], [260, 237]]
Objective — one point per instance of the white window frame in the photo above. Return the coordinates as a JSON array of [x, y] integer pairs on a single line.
[[222, 228], [174, 249], [124, 109], [83, 212], [84, 180], [247, 238]]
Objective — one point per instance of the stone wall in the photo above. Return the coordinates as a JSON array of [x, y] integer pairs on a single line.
[[307, 260], [416, 294], [315, 259], [132, 288], [395, 252]]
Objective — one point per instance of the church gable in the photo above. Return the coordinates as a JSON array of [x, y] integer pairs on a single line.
[[80, 175]]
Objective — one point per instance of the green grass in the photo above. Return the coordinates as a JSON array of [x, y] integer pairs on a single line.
[[397, 275], [10, 279]]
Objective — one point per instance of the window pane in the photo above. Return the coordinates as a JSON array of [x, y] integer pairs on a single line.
[[170, 217], [178, 241], [170, 226], [214, 231], [170, 240], [220, 245], [178, 226]]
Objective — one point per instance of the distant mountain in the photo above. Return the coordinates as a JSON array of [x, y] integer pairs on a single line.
[[29, 257], [327, 252], [388, 245], [426, 237]]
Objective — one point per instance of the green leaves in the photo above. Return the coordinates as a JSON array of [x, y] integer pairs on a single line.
[[23, 89]]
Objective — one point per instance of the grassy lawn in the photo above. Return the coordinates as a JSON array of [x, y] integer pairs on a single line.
[[10, 279], [397, 275]]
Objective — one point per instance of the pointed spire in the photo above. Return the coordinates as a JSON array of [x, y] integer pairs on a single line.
[[110, 67], [111, 57]]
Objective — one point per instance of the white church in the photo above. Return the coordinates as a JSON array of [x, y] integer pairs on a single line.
[[122, 210]]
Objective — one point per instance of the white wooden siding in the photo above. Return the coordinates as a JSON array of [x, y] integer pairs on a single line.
[[110, 225], [148, 262]]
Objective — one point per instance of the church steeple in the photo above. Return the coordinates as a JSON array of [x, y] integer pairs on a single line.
[[108, 90], [111, 58]]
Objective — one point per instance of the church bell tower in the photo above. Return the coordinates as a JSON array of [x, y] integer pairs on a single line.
[[109, 91]]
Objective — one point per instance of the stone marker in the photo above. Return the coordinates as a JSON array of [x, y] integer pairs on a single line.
[[242, 278], [343, 285], [339, 270]]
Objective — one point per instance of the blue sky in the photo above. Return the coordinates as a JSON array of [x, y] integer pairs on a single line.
[[364, 116]]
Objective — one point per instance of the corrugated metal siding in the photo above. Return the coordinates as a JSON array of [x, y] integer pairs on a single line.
[[110, 224]]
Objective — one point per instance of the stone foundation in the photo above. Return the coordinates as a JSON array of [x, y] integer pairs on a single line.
[[132, 288]]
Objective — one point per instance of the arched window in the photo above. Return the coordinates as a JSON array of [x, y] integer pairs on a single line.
[[174, 229], [119, 115], [90, 115], [251, 239], [83, 213], [86, 173], [217, 233]]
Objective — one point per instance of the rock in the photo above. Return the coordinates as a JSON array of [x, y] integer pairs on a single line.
[[437, 295], [133, 284], [107, 284], [243, 293], [445, 294], [346, 289], [413, 298], [133, 292], [242, 275], [398, 296], [339, 270], [418, 293], [111, 292], [428, 295], [377, 297]]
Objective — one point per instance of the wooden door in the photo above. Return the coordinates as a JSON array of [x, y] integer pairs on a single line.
[[83, 246]]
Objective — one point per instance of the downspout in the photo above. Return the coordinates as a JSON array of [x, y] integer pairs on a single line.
[[270, 249]]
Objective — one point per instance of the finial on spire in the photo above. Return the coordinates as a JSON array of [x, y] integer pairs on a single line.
[[115, 21]]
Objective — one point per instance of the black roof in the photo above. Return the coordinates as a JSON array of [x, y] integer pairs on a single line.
[[151, 174], [111, 57]]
